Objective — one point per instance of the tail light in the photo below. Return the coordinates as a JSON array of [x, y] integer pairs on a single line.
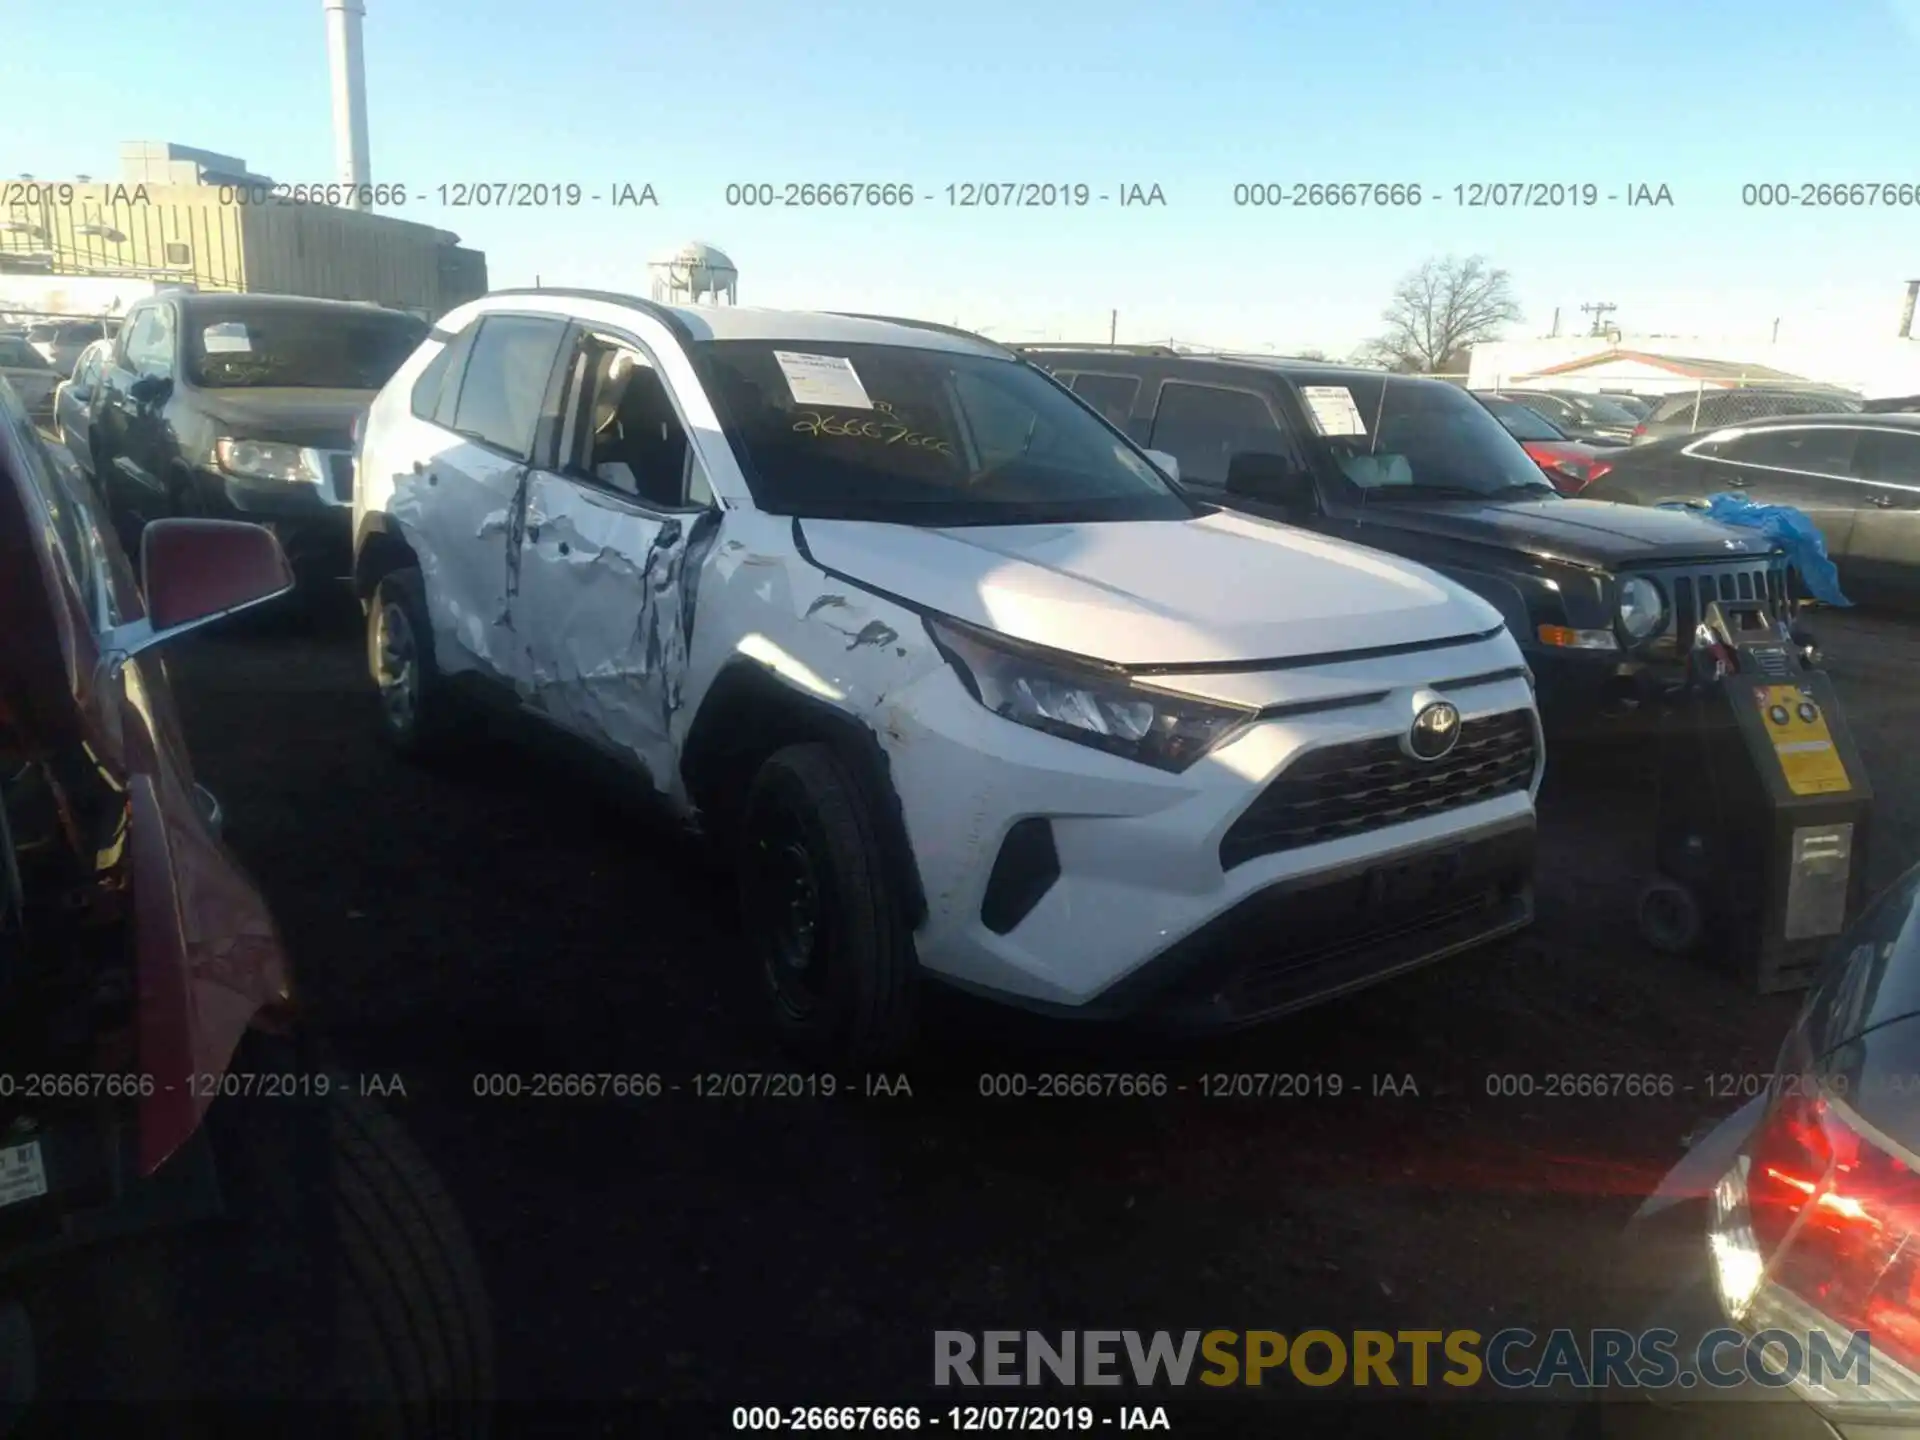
[[1640, 430], [1821, 1211], [1597, 469]]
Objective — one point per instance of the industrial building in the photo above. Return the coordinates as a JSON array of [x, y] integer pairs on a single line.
[[187, 217]]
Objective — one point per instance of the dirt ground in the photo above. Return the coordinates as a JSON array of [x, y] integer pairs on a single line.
[[682, 1255]]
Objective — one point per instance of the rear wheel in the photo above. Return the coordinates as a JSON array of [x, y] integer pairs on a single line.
[[415, 707], [823, 922]]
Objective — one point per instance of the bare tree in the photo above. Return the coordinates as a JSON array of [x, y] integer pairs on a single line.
[[1311, 353], [1440, 311]]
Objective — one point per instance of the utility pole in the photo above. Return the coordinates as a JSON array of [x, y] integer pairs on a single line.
[[1599, 309], [1554, 334], [1113, 326], [1776, 330]]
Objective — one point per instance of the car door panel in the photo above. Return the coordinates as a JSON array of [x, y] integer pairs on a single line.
[[603, 612], [466, 499], [1885, 545], [1805, 467], [464, 504]]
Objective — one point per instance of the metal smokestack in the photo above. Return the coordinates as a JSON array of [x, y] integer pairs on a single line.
[[1906, 314], [349, 74]]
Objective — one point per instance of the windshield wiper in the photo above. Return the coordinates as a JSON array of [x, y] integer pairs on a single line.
[[1529, 487], [1445, 492]]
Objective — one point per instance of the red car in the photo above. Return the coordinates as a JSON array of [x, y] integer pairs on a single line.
[[1571, 465], [155, 1091]]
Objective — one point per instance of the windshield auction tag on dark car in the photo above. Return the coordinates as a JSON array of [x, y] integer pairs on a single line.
[[23, 1175], [1333, 409]]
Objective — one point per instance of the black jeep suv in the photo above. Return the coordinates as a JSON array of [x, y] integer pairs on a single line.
[[1602, 598]]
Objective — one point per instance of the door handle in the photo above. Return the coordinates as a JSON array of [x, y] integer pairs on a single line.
[[1883, 502]]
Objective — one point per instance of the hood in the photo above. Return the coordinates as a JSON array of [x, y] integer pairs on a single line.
[[1222, 587], [1590, 532], [295, 415]]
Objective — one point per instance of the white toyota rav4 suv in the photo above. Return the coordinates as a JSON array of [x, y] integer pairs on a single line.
[[968, 685]]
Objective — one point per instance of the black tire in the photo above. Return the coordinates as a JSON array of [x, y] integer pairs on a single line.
[[850, 999], [338, 1291], [1670, 917], [422, 727]]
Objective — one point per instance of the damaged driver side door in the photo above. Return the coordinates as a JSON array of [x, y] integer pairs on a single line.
[[615, 525]]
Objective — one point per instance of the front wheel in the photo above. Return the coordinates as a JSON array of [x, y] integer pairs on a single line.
[[822, 919]]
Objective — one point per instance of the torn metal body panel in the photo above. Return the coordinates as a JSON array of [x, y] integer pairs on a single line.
[[605, 605], [457, 514]]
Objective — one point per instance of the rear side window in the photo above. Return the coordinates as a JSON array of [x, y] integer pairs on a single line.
[[1205, 426], [432, 383], [506, 380], [1111, 395]]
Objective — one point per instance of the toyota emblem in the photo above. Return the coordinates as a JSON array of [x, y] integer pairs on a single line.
[[1436, 730]]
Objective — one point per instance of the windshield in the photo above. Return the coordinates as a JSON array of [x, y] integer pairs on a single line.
[[1396, 438], [1523, 423], [308, 348], [913, 436]]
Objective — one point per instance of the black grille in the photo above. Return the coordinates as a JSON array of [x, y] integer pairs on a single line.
[[341, 466], [1351, 789], [1691, 590]]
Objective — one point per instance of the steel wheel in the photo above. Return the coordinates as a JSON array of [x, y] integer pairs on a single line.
[[398, 667], [786, 916]]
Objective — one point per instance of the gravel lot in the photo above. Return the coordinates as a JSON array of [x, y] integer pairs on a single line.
[[685, 1255]]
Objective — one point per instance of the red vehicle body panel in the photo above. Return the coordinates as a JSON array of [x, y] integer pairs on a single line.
[[209, 958]]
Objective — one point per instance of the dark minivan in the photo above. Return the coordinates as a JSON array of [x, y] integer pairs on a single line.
[[1600, 597], [245, 406]]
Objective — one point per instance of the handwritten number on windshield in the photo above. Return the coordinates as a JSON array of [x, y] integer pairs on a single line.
[[889, 429]]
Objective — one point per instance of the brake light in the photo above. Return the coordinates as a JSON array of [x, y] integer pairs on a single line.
[[1597, 469], [1830, 1216], [1639, 429]]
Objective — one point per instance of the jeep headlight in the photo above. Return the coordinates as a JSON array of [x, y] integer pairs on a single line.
[[1642, 607], [268, 460], [1084, 700]]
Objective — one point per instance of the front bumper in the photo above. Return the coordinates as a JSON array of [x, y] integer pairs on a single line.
[[1135, 915]]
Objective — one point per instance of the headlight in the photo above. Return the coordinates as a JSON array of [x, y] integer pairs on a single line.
[[1641, 607], [267, 460], [1084, 700]]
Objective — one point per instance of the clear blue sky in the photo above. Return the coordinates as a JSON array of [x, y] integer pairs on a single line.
[[1701, 95]]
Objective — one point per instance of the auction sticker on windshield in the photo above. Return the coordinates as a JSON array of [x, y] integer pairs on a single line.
[[828, 380], [1333, 409], [22, 1174]]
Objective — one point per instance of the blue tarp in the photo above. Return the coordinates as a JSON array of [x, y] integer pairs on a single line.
[[1788, 528]]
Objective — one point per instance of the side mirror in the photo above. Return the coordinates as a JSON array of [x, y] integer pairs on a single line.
[[150, 389], [194, 572], [1168, 464], [1275, 479]]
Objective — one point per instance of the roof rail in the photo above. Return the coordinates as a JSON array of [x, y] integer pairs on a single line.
[[1110, 348], [952, 330], [658, 311]]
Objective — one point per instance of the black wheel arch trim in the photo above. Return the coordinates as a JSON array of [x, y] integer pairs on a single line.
[[745, 686]]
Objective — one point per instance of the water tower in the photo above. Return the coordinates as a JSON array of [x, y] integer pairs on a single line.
[[694, 271]]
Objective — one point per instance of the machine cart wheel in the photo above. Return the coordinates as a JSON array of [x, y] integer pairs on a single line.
[[1671, 920]]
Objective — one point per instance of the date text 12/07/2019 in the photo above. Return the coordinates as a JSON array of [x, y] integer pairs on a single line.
[[1470, 195], [452, 195], [963, 1419], [958, 195]]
